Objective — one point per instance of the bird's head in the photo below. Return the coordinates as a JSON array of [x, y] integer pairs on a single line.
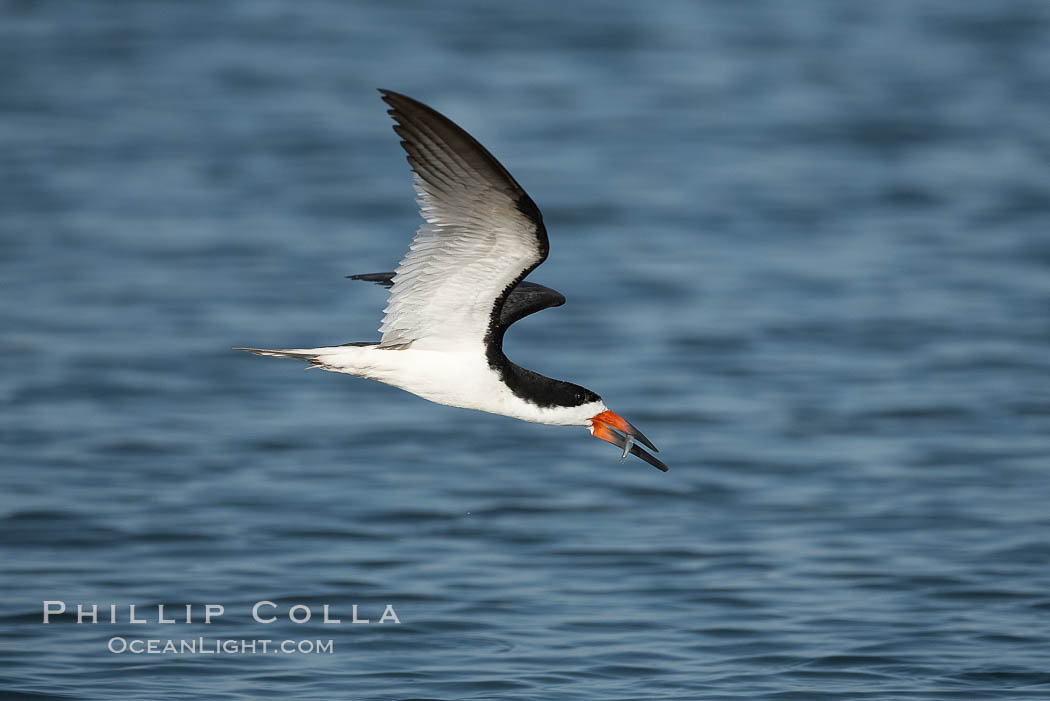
[[615, 429], [577, 406]]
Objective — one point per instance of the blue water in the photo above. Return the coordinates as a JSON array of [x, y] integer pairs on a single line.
[[806, 248]]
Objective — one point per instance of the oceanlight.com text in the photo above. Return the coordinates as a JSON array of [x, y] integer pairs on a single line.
[[217, 646]]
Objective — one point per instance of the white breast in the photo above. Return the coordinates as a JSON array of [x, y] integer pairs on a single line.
[[457, 378]]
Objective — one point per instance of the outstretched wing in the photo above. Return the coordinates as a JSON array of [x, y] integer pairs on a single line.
[[526, 297], [482, 234]]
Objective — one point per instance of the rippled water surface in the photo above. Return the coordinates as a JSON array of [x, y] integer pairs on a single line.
[[806, 249]]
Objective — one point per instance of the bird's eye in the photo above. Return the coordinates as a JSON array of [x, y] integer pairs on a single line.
[[579, 396]]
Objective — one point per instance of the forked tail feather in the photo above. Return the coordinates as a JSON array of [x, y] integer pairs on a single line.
[[310, 355], [314, 356]]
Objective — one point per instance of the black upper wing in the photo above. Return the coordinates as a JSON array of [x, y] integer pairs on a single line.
[[526, 297]]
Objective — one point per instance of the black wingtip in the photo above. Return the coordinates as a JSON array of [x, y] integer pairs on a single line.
[[384, 279], [392, 96]]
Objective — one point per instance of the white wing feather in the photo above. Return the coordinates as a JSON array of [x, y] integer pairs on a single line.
[[476, 241]]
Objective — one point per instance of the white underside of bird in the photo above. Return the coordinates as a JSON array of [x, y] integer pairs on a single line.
[[458, 378]]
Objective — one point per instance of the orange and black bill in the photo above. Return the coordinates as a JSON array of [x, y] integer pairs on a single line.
[[618, 431]]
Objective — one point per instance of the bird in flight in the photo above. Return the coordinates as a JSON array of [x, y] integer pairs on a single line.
[[460, 287]]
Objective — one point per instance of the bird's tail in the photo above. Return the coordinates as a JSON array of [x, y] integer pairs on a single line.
[[310, 355], [315, 356]]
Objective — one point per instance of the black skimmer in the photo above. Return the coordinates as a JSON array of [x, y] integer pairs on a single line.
[[459, 288]]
